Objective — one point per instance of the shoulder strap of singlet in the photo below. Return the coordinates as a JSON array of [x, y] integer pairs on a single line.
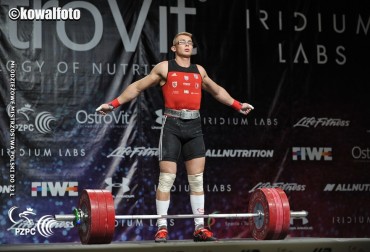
[[174, 67]]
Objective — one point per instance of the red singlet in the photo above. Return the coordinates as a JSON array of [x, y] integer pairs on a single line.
[[183, 88]]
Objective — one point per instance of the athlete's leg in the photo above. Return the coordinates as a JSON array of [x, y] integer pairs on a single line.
[[169, 151], [166, 178], [195, 168]]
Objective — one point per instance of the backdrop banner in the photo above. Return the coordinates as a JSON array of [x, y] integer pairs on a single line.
[[302, 64]]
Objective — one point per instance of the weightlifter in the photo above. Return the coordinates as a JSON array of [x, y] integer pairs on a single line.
[[181, 134]]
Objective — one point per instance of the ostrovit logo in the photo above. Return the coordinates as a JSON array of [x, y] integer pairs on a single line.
[[361, 154], [54, 189], [54, 13], [314, 153], [83, 117]]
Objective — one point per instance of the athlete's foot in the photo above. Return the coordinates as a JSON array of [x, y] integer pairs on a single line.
[[203, 234], [161, 235]]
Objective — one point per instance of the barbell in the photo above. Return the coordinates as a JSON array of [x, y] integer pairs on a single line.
[[269, 215]]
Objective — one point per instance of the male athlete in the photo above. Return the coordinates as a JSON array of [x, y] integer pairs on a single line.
[[181, 131]]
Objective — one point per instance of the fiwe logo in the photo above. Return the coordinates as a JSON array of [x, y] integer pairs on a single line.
[[54, 189], [312, 154]]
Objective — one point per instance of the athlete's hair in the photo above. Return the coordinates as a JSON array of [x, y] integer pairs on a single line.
[[181, 33]]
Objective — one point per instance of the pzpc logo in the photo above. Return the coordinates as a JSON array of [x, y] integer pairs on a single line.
[[24, 224], [312, 154], [42, 121]]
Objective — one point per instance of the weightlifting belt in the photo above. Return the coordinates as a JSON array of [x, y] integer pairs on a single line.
[[182, 114]]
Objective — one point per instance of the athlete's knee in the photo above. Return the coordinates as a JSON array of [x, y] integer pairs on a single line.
[[166, 181], [196, 182]]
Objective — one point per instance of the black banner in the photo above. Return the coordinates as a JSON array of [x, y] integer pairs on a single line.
[[302, 64]]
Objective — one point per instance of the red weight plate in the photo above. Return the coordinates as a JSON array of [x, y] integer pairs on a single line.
[[102, 220], [286, 210], [279, 214], [98, 227], [111, 216], [262, 227], [89, 227]]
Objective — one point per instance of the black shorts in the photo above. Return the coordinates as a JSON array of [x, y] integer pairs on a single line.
[[180, 136]]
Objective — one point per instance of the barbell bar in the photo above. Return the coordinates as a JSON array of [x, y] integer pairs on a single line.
[[268, 212], [72, 217]]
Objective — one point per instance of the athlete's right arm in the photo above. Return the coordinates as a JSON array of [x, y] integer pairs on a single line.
[[157, 75]]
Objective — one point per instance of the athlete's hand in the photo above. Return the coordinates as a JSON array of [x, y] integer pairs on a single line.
[[246, 108], [104, 109]]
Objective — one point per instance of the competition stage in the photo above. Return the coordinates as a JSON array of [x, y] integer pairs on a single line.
[[223, 245]]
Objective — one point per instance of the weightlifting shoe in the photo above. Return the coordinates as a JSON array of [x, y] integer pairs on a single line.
[[203, 234], [161, 235]]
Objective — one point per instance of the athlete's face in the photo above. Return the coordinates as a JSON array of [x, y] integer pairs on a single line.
[[183, 46]]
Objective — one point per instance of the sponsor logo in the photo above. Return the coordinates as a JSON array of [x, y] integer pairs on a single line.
[[300, 223], [42, 121], [174, 84], [285, 186], [240, 153], [312, 154], [141, 223], [207, 188], [54, 189], [309, 122], [130, 152], [85, 119], [119, 189], [178, 10], [239, 121], [355, 219], [25, 224], [361, 154], [47, 152], [159, 119], [153, 152], [347, 188]]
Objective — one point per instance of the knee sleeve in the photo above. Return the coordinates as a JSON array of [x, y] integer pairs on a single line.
[[166, 181], [196, 182]]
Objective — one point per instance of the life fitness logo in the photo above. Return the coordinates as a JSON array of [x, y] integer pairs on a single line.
[[24, 224], [29, 120]]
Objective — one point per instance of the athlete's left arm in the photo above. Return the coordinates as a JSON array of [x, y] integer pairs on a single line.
[[221, 95]]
